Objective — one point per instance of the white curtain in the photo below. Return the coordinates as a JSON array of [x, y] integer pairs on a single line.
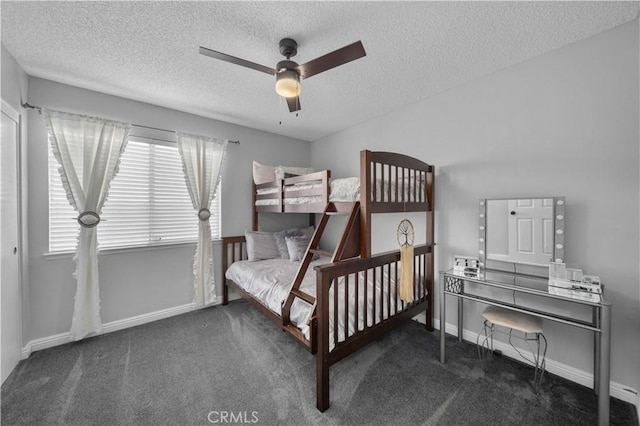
[[202, 160], [88, 150]]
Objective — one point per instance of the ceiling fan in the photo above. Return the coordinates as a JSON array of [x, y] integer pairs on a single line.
[[288, 73]]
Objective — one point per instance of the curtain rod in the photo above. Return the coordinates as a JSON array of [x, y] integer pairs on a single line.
[[27, 105]]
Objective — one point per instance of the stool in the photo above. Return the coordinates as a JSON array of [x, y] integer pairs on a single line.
[[529, 325]]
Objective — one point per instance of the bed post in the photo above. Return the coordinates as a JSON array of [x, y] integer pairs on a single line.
[[225, 265], [254, 222], [430, 185], [322, 357], [365, 203]]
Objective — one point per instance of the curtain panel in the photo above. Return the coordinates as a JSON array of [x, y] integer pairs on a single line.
[[202, 160], [88, 150]]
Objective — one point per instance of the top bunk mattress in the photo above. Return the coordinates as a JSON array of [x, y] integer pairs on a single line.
[[341, 190], [346, 190]]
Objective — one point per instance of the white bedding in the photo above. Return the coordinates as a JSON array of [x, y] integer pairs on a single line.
[[341, 190], [270, 280]]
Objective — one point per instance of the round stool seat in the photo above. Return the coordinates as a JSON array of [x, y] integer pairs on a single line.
[[512, 319]]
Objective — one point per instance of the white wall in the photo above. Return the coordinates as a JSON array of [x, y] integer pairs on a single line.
[[564, 123], [14, 80], [134, 282]]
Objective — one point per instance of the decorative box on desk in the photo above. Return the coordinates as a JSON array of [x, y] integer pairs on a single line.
[[570, 282], [576, 290], [465, 265]]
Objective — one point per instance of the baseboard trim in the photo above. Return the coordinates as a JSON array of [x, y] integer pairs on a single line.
[[62, 338], [617, 390]]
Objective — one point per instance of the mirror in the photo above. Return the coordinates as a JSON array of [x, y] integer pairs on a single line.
[[526, 231]]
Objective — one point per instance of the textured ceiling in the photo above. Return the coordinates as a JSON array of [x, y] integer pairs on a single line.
[[148, 51]]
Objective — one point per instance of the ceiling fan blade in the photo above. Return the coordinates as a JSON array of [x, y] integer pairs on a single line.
[[237, 61], [331, 60], [294, 104]]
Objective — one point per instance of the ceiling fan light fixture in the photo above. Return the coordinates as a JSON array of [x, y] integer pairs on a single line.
[[288, 84]]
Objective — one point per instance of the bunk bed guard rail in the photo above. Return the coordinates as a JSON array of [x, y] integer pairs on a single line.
[[336, 280]]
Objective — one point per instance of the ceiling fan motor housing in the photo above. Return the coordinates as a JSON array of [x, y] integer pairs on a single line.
[[286, 65]]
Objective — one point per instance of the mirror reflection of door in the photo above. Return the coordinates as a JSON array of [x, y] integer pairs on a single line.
[[531, 230]]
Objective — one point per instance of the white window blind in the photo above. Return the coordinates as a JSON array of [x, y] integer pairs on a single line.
[[148, 203]]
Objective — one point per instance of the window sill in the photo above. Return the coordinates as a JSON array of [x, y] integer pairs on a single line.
[[70, 254]]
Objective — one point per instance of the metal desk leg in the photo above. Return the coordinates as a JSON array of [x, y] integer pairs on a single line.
[[443, 324], [596, 351], [460, 311], [605, 364]]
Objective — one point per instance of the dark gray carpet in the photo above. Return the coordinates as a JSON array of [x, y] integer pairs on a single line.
[[232, 365]]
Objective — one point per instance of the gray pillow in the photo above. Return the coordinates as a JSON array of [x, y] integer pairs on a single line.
[[297, 246], [293, 232], [261, 246]]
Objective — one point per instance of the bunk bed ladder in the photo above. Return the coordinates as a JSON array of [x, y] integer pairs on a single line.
[[348, 246]]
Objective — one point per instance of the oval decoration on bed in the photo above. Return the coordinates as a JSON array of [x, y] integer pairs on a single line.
[[406, 236]]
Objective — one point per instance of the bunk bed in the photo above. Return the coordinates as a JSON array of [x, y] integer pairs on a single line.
[[335, 302]]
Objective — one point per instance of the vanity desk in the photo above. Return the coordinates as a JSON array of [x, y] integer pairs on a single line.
[[508, 287], [521, 242]]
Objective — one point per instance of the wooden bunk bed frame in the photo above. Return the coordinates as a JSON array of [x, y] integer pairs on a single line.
[[389, 183]]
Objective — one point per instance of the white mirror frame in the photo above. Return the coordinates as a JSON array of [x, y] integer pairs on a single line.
[[558, 229]]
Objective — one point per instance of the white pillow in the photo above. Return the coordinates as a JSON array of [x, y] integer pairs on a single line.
[[281, 170], [263, 173], [261, 246]]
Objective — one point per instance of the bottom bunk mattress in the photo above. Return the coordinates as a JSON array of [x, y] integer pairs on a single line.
[[269, 282]]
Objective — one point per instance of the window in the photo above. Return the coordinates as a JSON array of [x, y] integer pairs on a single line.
[[148, 203]]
